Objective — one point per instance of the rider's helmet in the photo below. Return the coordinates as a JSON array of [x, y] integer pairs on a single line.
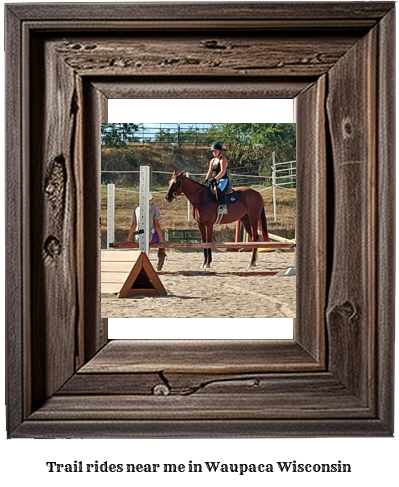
[[217, 146]]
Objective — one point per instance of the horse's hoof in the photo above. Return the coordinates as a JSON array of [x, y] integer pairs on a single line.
[[251, 266]]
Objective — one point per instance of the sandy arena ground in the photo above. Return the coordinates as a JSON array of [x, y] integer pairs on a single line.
[[202, 294]]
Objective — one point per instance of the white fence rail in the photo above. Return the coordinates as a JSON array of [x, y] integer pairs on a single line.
[[283, 176]]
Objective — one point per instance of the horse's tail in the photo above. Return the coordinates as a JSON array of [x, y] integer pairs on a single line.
[[265, 233]]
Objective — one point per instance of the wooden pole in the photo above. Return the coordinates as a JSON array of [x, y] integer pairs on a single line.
[[210, 245]]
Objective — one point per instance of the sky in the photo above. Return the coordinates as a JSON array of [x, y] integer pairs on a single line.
[[200, 111]]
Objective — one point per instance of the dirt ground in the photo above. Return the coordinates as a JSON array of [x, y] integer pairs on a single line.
[[195, 293]]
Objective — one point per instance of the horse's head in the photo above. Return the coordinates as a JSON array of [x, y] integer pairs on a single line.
[[175, 185]]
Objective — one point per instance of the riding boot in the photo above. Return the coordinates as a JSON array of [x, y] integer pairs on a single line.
[[222, 202]]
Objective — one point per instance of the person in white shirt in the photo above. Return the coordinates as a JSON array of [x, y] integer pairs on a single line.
[[155, 229]]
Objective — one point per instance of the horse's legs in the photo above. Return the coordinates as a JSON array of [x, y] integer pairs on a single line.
[[209, 236], [254, 238], [245, 221], [207, 258], [202, 229], [252, 234]]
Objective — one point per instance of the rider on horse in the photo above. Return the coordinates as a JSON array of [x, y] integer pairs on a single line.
[[217, 174]]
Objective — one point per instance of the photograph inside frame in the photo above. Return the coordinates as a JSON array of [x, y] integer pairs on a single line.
[[168, 190]]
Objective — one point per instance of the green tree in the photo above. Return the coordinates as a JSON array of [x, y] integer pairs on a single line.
[[165, 136], [252, 144], [117, 135]]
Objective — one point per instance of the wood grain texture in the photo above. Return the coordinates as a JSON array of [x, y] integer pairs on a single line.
[[191, 428], [385, 225], [256, 397], [95, 329], [53, 207], [14, 206], [351, 305], [185, 383], [343, 79], [361, 14], [139, 87], [248, 406], [311, 230], [240, 55], [200, 356], [96, 384]]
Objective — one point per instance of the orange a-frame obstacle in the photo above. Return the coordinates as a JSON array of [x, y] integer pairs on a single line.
[[142, 280]]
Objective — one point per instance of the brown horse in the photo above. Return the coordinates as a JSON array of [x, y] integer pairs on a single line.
[[249, 209]]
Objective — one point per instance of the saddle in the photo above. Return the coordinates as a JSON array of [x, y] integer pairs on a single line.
[[231, 196], [230, 193]]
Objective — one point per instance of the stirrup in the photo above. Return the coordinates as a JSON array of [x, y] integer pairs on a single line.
[[222, 209]]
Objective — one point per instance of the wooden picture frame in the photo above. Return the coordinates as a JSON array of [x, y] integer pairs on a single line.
[[335, 378]]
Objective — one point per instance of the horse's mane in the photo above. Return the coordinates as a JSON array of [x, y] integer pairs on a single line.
[[184, 173], [201, 187]]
